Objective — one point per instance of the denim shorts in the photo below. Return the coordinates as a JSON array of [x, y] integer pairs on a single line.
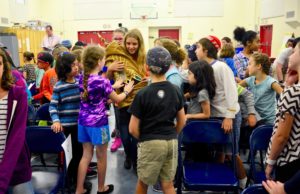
[[23, 188], [94, 135]]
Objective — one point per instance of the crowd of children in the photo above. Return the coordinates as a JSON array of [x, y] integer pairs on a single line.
[[154, 94]]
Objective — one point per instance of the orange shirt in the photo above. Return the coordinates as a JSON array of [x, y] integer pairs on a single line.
[[46, 88]]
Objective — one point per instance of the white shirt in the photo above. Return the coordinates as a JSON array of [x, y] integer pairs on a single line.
[[283, 59], [225, 103], [50, 42], [3, 129]]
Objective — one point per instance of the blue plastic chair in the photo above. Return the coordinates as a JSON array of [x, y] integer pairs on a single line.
[[44, 140], [43, 113], [259, 141], [255, 189], [199, 176], [31, 115]]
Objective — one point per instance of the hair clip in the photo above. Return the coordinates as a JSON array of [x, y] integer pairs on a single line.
[[63, 53]]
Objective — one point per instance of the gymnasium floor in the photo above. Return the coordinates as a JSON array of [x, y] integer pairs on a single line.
[[124, 180]]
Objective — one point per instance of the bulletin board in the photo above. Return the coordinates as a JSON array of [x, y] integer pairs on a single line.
[[98, 9], [271, 8], [197, 8]]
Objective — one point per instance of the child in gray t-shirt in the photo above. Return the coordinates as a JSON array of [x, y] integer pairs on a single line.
[[203, 85]]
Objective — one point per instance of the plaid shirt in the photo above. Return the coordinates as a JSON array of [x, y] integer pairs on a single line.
[[241, 64]]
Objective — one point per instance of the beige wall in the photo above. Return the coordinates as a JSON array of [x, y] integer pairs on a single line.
[[244, 13], [192, 29]]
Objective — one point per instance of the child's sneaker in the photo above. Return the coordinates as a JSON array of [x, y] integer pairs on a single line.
[[93, 166], [113, 134], [91, 173], [157, 187], [116, 144]]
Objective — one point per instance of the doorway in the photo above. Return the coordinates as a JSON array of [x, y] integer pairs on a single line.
[[168, 32], [266, 33]]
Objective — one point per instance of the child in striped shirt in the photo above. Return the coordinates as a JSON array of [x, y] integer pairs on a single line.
[[64, 107]]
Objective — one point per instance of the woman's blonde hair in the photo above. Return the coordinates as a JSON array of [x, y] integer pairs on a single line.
[[178, 54], [227, 51], [7, 79], [90, 60], [57, 50], [78, 54], [136, 34]]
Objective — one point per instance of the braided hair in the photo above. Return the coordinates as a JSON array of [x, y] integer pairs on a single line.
[[90, 59]]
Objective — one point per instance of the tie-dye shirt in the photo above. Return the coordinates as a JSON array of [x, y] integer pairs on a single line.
[[93, 111]]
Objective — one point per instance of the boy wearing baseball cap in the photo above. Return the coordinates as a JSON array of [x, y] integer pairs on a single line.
[[44, 61], [152, 122]]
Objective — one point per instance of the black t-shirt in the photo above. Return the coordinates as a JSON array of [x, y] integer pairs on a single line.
[[157, 106]]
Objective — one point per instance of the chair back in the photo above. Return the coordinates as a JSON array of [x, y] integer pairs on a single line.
[[196, 175], [44, 140], [205, 131], [255, 189], [31, 115], [260, 137], [259, 141], [43, 113]]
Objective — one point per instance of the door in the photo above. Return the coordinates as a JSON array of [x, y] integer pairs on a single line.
[[266, 39], [169, 33], [95, 37]]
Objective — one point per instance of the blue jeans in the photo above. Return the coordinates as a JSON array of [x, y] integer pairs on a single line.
[[237, 122], [129, 142], [235, 134], [23, 188]]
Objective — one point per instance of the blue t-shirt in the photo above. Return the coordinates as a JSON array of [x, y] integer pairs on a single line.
[[174, 77], [264, 98], [230, 63]]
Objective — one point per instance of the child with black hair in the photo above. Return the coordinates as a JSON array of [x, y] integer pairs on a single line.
[[202, 90], [49, 79], [152, 122], [251, 42], [29, 68], [263, 87], [224, 105], [226, 40], [64, 108]]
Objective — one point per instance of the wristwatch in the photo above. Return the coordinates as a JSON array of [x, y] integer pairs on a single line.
[[271, 162]]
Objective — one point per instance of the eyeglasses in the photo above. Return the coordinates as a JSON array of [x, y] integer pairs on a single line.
[[118, 38]]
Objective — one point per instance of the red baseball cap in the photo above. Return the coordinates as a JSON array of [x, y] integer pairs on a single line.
[[215, 41]]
